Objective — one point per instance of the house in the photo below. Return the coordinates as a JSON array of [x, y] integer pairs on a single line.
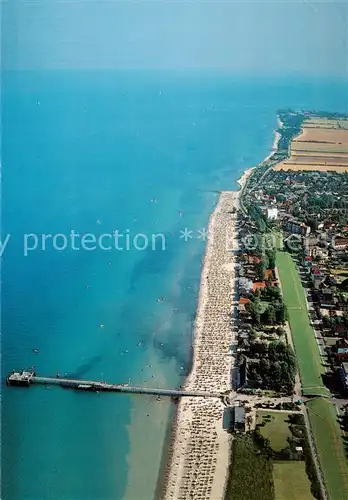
[[254, 259], [259, 285], [307, 263], [309, 244], [339, 243], [342, 353], [326, 299], [342, 349], [343, 372], [272, 213], [239, 419], [243, 301], [245, 285], [321, 253], [340, 329], [293, 226], [242, 310], [317, 276], [269, 274]]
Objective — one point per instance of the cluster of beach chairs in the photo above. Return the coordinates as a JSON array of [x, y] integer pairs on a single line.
[[200, 449]]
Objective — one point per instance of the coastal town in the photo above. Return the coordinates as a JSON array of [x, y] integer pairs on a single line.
[[271, 330], [263, 414]]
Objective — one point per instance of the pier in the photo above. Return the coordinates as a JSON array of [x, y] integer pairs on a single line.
[[28, 378]]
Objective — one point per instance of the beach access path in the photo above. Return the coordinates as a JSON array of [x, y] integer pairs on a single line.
[[199, 456]]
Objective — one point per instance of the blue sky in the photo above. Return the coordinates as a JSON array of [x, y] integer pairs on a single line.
[[264, 36]]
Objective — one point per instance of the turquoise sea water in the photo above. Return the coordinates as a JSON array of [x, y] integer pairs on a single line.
[[92, 152]]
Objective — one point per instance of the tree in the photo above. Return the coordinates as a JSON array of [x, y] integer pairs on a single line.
[[271, 315], [271, 255], [254, 309], [260, 270], [281, 312], [252, 334], [249, 421], [272, 293]]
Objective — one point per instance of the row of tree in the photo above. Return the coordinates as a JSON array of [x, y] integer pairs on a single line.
[[272, 313], [275, 368]]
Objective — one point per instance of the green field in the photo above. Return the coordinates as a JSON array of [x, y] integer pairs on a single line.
[[291, 481], [276, 430], [307, 352], [329, 443], [250, 474]]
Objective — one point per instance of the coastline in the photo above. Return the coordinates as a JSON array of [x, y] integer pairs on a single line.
[[247, 173], [199, 453], [276, 140], [180, 480]]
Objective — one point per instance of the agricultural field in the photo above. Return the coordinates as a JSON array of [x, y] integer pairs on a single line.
[[307, 352], [308, 167], [276, 428], [332, 455], [291, 481], [318, 134], [322, 145], [250, 472], [320, 160], [325, 123], [290, 477], [318, 149]]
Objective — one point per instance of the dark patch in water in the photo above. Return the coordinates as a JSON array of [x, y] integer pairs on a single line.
[[154, 261], [85, 368]]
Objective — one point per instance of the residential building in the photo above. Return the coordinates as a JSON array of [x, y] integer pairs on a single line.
[[317, 276], [344, 375], [339, 243], [295, 227], [272, 213], [326, 299], [342, 353], [239, 419]]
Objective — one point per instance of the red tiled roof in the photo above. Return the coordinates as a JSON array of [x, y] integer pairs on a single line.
[[259, 285], [253, 259], [341, 241], [244, 300], [268, 273]]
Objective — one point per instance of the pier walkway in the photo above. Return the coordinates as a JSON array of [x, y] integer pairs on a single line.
[[27, 378]]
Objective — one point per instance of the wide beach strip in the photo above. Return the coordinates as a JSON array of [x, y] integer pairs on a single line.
[[200, 452]]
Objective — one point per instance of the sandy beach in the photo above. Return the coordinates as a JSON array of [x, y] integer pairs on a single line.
[[246, 174], [200, 449], [274, 148], [199, 456]]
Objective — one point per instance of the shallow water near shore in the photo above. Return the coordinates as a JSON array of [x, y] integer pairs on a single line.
[[93, 153]]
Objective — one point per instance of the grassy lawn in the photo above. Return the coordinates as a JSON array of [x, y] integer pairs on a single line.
[[250, 474], [307, 352], [291, 481], [328, 438], [276, 429]]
